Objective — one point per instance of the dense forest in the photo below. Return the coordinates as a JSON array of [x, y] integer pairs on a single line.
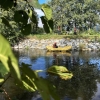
[[82, 14]]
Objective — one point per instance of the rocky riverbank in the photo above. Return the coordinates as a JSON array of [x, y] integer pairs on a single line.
[[77, 44]]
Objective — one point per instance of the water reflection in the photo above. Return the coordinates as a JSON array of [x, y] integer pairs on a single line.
[[85, 85]]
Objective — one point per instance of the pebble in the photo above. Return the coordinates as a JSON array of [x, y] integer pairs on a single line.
[[77, 44]]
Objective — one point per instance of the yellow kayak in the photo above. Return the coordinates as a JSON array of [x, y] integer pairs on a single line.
[[58, 53], [66, 48]]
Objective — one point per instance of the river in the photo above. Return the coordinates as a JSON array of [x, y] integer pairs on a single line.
[[85, 66]]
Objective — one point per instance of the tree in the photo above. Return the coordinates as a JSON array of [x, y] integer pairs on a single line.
[[82, 14], [20, 20], [15, 20]]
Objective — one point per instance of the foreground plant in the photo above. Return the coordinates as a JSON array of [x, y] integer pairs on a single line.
[[24, 76]]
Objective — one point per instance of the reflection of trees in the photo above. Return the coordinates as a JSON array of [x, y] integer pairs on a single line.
[[83, 84], [61, 59]]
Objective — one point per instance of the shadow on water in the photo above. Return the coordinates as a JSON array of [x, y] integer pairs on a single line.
[[85, 66]]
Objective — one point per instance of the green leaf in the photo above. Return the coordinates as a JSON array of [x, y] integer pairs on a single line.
[[28, 83], [50, 22], [21, 16], [6, 56], [53, 91], [3, 70], [56, 68], [29, 13], [65, 76], [40, 83], [32, 16], [6, 22], [32, 74], [26, 29], [45, 26], [47, 11], [43, 19], [1, 80], [61, 71], [43, 89], [6, 4]]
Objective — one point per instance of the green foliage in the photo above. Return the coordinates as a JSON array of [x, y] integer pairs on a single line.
[[47, 19], [79, 13], [6, 4], [20, 11], [26, 29], [3, 70], [8, 59], [50, 23], [20, 16], [14, 20], [32, 15], [6, 22], [1, 80], [47, 11], [61, 71], [45, 24], [29, 79]]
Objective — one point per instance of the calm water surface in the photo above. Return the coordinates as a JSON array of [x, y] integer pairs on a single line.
[[85, 84]]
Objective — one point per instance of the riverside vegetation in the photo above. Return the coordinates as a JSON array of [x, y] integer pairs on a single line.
[[78, 42]]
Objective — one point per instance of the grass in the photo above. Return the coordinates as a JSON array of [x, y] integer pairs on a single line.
[[54, 36], [83, 35]]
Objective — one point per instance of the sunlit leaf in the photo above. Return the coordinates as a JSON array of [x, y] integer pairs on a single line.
[[65, 76], [47, 11], [39, 71], [42, 85], [32, 74], [61, 71], [6, 56], [28, 83], [38, 81], [32, 16], [29, 13], [1, 80], [56, 68]]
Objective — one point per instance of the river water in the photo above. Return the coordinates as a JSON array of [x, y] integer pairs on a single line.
[[85, 66]]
